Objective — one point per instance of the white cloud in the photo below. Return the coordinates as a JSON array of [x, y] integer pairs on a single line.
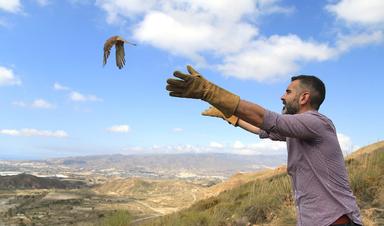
[[117, 8], [20, 104], [238, 145], [346, 144], [12, 6], [274, 58], [364, 20], [27, 132], [76, 96], [58, 86], [214, 144], [15, 6], [8, 78], [119, 129], [197, 28], [264, 147], [38, 103], [363, 12], [177, 130], [346, 42]]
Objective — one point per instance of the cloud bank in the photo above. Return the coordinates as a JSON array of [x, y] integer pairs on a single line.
[[227, 32]]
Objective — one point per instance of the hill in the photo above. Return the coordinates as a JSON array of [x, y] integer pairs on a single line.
[[168, 196], [161, 196], [267, 200], [27, 181]]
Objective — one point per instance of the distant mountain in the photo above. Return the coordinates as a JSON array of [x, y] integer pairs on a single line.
[[27, 181], [98, 168], [159, 165]]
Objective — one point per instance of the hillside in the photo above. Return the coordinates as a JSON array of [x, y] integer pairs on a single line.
[[161, 196], [27, 181], [268, 200], [168, 196]]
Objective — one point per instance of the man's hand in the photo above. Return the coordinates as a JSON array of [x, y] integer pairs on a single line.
[[195, 86], [214, 112]]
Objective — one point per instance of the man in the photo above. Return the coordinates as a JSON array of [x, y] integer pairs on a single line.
[[315, 161]]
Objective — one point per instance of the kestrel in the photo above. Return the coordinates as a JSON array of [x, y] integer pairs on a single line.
[[119, 45]]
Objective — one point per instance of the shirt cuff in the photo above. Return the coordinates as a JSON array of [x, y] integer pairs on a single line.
[[263, 134]]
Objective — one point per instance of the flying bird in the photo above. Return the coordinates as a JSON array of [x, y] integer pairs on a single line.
[[119, 45]]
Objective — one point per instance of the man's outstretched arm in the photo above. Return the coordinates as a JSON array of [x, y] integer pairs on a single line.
[[233, 120], [248, 127], [250, 113], [195, 86]]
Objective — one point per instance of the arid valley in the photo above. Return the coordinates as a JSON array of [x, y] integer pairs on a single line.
[[84, 190]]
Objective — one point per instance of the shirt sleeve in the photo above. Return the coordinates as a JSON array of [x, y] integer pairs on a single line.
[[273, 136], [302, 126]]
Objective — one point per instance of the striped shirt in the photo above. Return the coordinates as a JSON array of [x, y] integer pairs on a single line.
[[315, 165]]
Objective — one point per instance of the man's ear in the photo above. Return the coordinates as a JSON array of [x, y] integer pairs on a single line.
[[305, 98]]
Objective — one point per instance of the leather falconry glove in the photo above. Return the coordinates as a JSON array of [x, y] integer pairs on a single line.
[[195, 86], [214, 112]]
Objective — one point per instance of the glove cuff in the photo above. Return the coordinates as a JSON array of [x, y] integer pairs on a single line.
[[223, 100], [233, 120]]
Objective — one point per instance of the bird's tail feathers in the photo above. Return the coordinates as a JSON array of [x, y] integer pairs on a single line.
[[134, 44]]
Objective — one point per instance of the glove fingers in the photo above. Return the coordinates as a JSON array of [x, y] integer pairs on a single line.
[[192, 71], [176, 82], [175, 89], [178, 74], [207, 112], [176, 94]]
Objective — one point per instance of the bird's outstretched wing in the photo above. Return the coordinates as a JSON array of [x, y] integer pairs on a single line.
[[120, 54], [107, 48]]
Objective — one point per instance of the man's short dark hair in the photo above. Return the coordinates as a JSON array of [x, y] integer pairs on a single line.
[[315, 86]]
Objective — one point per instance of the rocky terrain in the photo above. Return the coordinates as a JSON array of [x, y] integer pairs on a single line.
[[84, 190]]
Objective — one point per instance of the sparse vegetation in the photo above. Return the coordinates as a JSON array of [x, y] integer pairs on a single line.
[[259, 201], [119, 218], [366, 174]]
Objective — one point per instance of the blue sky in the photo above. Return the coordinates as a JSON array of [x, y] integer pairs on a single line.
[[58, 100]]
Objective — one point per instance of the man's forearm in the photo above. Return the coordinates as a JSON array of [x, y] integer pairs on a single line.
[[250, 112], [248, 127]]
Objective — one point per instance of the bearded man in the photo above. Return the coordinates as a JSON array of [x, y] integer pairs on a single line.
[[316, 166]]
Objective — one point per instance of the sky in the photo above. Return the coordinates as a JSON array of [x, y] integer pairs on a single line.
[[56, 98]]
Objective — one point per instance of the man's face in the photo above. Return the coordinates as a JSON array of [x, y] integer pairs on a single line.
[[291, 98]]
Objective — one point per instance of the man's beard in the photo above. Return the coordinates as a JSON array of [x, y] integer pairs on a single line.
[[290, 108]]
